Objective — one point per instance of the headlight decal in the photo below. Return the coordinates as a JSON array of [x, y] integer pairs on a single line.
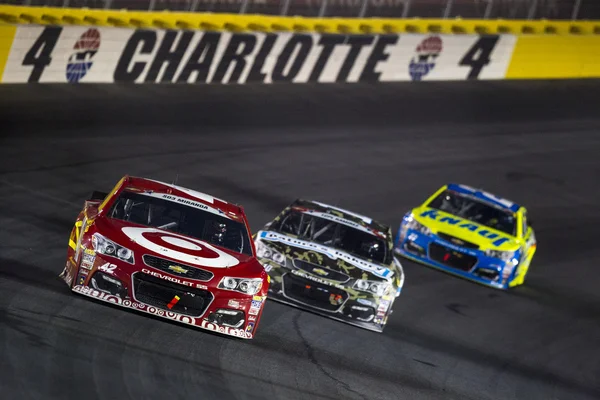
[[376, 287], [264, 251], [242, 285], [512, 260], [502, 255], [404, 227], [412, 223], [107, 247]]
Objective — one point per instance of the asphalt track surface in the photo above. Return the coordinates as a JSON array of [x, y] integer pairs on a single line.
[[375, 149]]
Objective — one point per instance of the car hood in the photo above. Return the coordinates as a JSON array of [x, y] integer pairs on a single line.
[[485, 237], [320, 260], [187, 250]]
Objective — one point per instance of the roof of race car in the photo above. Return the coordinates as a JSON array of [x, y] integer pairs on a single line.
[[153, 186], [485, 196], [340, 212]]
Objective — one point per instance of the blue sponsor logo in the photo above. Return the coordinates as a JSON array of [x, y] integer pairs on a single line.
[[366, 302], [81, 61], [461, 223], [424, 60], [256, 304]]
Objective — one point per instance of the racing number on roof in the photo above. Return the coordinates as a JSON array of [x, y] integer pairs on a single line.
[[39, 55], [478, 55]]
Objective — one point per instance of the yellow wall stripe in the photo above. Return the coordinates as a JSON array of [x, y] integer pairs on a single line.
[[271, 23], [544, 49], [7, 34], [547, 57]]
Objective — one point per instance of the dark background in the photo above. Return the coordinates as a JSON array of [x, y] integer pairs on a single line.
[[375, 149]]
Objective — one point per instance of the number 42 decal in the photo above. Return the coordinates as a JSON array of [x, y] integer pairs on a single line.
[[478, 55], [108, 267]]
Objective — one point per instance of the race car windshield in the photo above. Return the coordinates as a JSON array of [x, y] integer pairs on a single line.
[[472, 209], [183, 219], [333, 234]]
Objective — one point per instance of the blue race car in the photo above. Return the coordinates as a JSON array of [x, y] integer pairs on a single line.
[[470, 233]]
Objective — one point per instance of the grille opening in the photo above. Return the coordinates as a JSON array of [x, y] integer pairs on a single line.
[[490, 274], [177, 269], [360, 312], [160, 293], [412, 248], [313, 294], [227, 317], [447, 256], [108, 284], [323, 272], [458, 241]]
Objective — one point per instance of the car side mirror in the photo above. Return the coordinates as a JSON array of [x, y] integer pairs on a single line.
[[97, 196], [94, 200]]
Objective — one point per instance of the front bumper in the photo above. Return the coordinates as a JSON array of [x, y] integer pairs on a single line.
[[202, 323], [484, 270], [199, 304], [303, 291]]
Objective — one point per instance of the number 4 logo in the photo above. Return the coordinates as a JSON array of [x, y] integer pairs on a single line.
[[39, 56], [478, 55]]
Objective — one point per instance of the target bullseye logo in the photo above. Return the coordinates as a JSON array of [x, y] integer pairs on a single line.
[[81, 60], [427, 53], [184, 249], [186, 244], [169, 243]]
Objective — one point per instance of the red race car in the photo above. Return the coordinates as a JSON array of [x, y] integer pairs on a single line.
[[168, 251]]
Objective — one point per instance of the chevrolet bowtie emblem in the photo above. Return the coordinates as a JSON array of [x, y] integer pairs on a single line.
[[457, 241], [178, 269], [320, 271]]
